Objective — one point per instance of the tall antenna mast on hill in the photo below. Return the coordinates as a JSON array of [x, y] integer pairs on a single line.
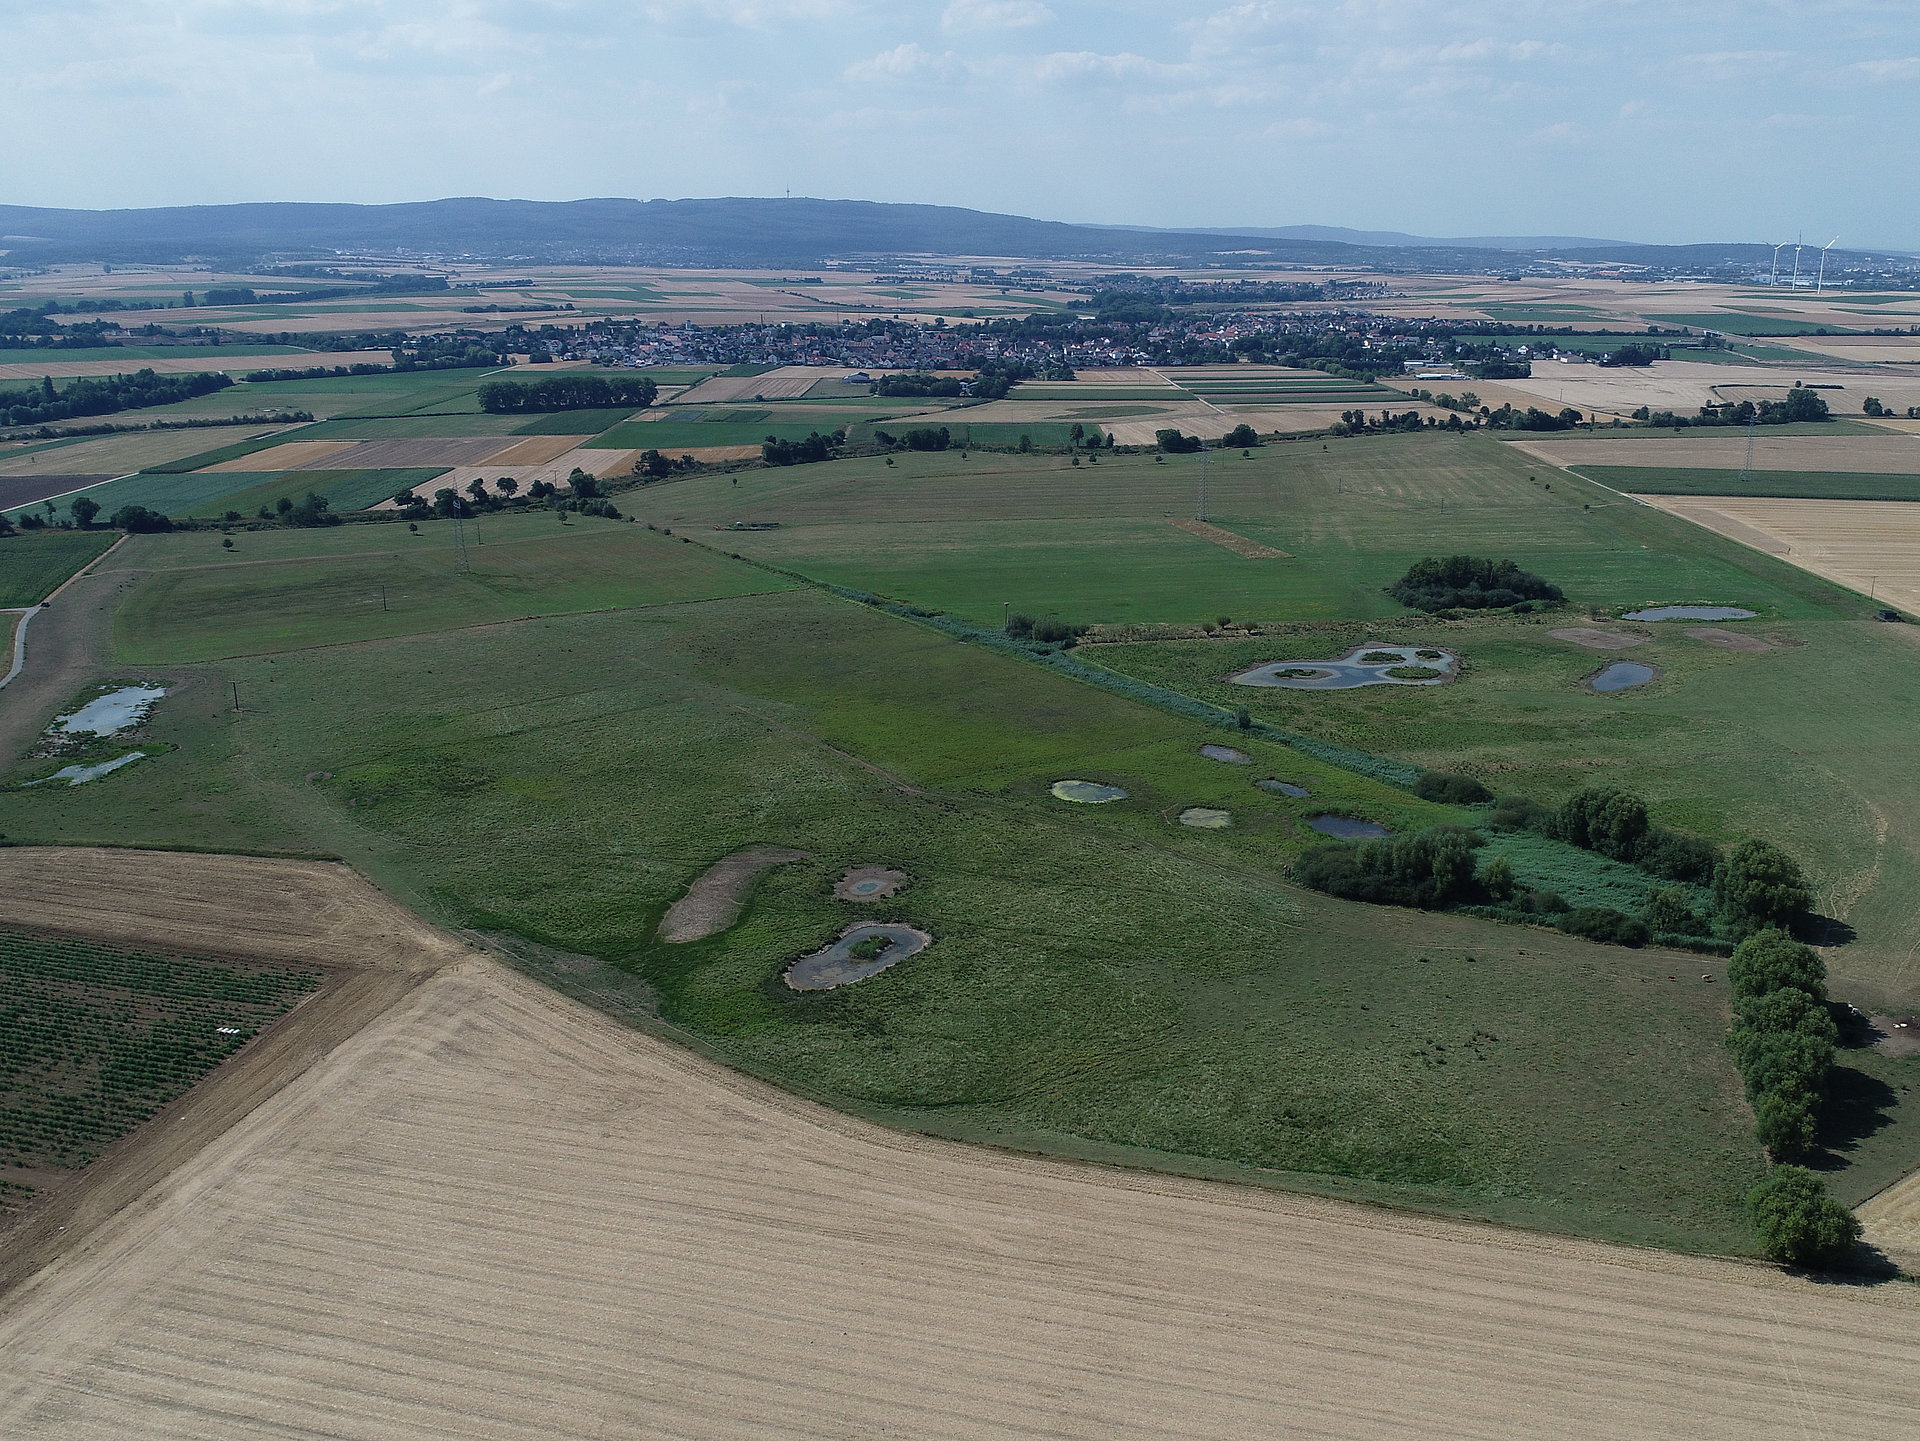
[[1822, 284]]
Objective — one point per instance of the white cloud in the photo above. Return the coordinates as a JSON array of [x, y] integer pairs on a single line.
[[908, 62], [966, 16]]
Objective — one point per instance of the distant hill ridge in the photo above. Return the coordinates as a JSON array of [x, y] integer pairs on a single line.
[[748, 231]]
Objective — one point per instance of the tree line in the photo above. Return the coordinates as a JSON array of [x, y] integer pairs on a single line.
[[102, 395], [567, 391]]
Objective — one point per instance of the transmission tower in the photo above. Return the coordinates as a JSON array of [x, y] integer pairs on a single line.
[[1753, 434], [460, 542]]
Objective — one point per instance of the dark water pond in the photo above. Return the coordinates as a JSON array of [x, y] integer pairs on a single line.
[[1346, 828], [1350, 670], [1283, 788], [833, 966], [1692, 612], [1622, 675]]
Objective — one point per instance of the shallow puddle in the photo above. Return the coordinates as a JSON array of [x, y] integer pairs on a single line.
[[1206, 818], [836, 965], [1087, 793], [1283, 788], [80, 775], [1622, 675], [1351, 670], [1227, 754], [1346, 828], [111, 713], [1691, 612]]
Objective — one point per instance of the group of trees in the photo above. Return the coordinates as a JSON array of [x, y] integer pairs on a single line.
[[924, 437], [1431, 869], [569, 390], [816, 447], [104, 394], [1466, 582], [1356, 422], [1783, 1038], [1801, 406], [1532, 418], [1632, 355]]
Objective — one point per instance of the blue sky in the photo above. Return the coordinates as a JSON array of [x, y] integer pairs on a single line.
[[1667, 120]]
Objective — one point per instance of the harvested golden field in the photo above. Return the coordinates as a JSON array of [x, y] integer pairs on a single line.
[[1892, 1222], [409, 452], [495, 1213], [1872, 546], [120, 454], [1873, 454], [594, 461], [789, 382], [294, 455], [539, 449]]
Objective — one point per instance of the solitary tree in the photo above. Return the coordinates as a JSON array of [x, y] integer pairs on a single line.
[[1798, 1222], [83, 511]]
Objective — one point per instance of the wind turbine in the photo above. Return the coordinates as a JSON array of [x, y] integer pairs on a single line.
[[1773, 276], [1797, 248], [1821, 285]]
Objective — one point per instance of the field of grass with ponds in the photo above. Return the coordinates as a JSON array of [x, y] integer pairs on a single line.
[[1106, 981]]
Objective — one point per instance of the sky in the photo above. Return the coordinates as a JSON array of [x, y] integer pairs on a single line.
[[1655, 120]]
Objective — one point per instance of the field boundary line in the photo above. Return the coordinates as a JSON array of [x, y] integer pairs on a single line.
[[1239, 544]]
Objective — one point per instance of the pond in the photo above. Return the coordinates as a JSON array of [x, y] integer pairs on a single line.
[[1363, 665], [1283, 788], [111, 713], [1623, 675], [1087, 793], [1206, 818], [1691, 612], [1227, 754], [835, 965], [80, 775], [1346, 828]]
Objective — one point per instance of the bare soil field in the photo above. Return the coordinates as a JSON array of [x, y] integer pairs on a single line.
[[1594, 638], [495, 1213], [1238, 544], [712, 903], [403, 454], [1873, 454], [1869, 545], [539, 449], [294, 455], [554, 472]]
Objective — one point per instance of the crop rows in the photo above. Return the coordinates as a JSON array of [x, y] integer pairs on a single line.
[[94, 1039]]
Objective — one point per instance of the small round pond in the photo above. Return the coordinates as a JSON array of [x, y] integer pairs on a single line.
[[1622, 675], [119, 709], [1363, 665], [1087, 793], [1283, 788], [1226, 754], [862, 951], [869, 883], [1691, 612], [1346, 828], [1206, 818]]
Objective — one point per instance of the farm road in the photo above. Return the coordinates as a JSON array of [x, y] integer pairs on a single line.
[[66, 645], [496, 1213]]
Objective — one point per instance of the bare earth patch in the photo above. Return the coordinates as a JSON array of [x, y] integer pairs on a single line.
[[1238, 544], [1596, 639], [713, 902], [1728, 639]]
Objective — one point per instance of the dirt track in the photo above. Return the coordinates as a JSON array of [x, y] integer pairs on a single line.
[[67, 643], [495, 1214]]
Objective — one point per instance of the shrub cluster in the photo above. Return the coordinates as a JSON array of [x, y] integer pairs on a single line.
[[1467, 582], [1782, 1039], [1798, 1222], [816, 447], [1429, 869], [1451, 790]]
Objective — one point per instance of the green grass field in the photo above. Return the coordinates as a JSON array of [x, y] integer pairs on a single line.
[[278, 591], [34, 563], [572, 422], [549, 741], [1805, 484], [1753, 324], [343, 489], [1103, 980], [137, 355], [676, 435]]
